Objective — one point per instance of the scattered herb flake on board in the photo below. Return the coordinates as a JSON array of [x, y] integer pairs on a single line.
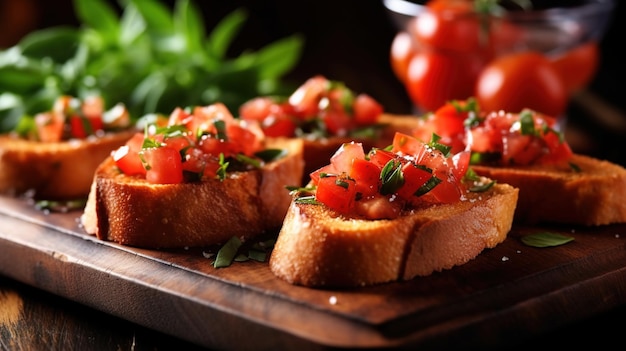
[[234, 250], [227, 253], [546, 239]]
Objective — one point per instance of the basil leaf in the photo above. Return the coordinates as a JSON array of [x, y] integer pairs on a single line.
[[227, 253], [277, 58], [222, 35], [257, 255], [248, 160], [546, 239], [527, 123], [269, 155], [100, 16], [11, 110], [480, 188], [392, 177], [189, 24], [430, 184], [56, 44]]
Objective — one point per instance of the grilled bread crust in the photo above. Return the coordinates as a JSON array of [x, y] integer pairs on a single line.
[[591, 193], [54, 170], [131, 211], [318, 248]]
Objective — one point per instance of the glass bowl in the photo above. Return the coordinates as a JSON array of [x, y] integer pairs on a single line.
[[552, 28], [545, 29]]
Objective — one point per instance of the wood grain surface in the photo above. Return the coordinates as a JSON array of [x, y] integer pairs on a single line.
[[510, 292]]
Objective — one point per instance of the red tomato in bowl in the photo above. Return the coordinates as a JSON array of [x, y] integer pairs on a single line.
[[577, 66], [448, 25], [401, 53], [435, 78], [521, 80]]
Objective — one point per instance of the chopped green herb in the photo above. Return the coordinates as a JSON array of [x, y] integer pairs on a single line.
[[307, 200], [546, 239], [257, 255], [221, 172], [60, 206], [234, 250], [227, 253], [342, 183], [527, 123], [220, 126], [482, 187], [428, 186], [434, 143], [392, 177], [248, 160], [269, 155]]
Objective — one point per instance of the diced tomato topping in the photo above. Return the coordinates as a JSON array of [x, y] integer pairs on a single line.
[[50, 126], [380, 184], [366, 175], [82, 127], [306, 98], [127, 158], [521, 138], [317, 107], [380, 157], [195, 144], [338, 192], [366, 110], [71, 117], [344, 157], [416, 177], [163, 165]]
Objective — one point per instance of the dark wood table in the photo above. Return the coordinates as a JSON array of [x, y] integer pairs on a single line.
[[31, 319]]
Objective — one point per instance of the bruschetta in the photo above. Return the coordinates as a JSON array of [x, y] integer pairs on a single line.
[[525, 149], [389, 215], [54, 154], [196, 179]]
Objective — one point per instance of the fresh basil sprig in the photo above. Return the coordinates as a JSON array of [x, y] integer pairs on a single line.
[[149, 57]]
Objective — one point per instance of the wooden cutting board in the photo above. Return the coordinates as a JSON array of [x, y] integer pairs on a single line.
[[510, 292]]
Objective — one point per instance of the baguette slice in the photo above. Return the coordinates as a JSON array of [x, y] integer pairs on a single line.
[[317, 248], [54, 170], [131, 211], [593, 195]]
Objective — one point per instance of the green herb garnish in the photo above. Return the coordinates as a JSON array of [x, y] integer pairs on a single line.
[[392, 177], [148, 55], [227, 252], [221, 171], [269, 155], [546, 239], [428, 186], [434, 143]]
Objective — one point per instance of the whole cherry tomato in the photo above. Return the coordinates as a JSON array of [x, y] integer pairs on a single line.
[[448, 25], [435, 77], [402, 50], [521, 80], [578, 65]]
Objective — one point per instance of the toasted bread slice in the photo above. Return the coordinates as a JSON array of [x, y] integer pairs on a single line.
[[587, 192], [131, 211], [54, 170], [318, 248]]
